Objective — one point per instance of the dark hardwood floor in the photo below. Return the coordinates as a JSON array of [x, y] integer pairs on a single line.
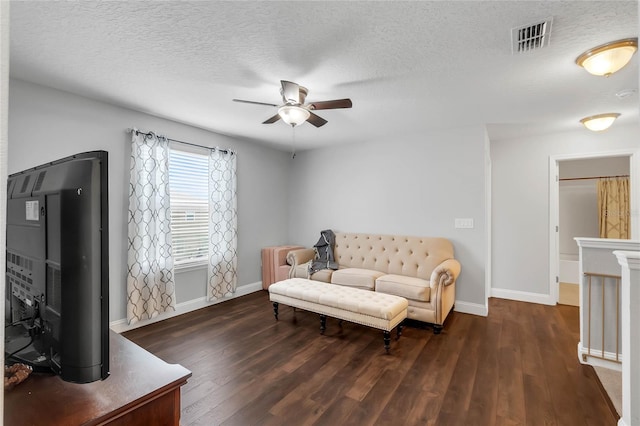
[[516, 366]]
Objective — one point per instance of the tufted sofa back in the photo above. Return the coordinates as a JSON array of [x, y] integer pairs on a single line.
[[392, 254]]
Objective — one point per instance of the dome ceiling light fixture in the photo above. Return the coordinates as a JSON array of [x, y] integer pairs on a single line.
[[293, 115], [608, 58], [600, 122]]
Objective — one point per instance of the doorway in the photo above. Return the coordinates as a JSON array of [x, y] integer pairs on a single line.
[[578, 213], [573, 211]]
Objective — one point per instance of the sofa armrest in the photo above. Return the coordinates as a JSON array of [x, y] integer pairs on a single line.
[[295, 258], [300, 256], [445, 273], [280, 254], [443, 290]]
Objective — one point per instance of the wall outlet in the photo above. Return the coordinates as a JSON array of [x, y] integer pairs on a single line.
[[465, 223]]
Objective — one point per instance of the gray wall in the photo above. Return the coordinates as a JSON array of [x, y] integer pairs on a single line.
[[520, 206], [578, 215], [47, 124], [412, 185], [590, 167]]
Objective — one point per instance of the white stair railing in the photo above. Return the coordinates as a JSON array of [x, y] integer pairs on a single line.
[[600, 298]]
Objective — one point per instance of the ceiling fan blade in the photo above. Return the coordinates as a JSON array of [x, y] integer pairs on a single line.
[[290, 92], [335, 104], [316, 120], [253, 102], [272, 119]]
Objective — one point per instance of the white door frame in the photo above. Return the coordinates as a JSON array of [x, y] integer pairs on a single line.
[[554, 204]]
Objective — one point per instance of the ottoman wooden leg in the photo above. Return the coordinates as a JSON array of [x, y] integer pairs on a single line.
[[323, 323], [387, 341], [399, 330], [275, 310]]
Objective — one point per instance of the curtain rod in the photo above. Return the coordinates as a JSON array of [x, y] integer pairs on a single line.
[[595, 177], [130, 130]]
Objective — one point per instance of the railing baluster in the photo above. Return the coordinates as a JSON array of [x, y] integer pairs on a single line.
[[617, 319], [603, 278], [589, 315], [603, 308]]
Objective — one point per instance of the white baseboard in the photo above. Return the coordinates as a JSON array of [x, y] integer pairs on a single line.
[[471, 308], [121, 325], [609, 361], [522, 296]]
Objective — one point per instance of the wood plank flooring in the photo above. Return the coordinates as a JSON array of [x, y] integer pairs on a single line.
[[516, 366]]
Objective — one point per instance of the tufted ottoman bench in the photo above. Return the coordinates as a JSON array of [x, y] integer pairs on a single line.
[[377, 310]]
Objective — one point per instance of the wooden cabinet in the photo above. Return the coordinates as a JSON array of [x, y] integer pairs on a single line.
[[142, 389]]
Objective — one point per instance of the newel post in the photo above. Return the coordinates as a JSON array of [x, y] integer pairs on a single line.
[[630, 315]]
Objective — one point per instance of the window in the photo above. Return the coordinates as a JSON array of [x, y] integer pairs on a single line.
[[188, 188]]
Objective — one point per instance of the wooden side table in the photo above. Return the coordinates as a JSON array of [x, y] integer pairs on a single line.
[[142, 389]]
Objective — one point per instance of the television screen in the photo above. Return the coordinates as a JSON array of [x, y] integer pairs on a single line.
[[57, 277]]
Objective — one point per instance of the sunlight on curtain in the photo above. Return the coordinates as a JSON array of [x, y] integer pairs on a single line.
[[223, 221], [150, 277], [614, 208]]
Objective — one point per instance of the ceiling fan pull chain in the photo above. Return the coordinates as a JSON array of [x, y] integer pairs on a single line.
[[293, 142]]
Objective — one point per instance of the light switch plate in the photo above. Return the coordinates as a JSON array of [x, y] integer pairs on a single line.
[[464, 223]]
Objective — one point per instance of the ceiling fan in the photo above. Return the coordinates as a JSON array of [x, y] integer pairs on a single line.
[[294, 111]]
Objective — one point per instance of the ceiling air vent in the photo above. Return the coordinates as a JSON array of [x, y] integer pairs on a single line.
[[531, 37]]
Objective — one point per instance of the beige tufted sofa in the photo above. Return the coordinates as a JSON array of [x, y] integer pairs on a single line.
[[421, 269]]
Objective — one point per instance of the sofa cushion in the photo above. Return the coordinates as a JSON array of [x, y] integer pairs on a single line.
[[323, 275], [302, 271], [400, 285], [356, 277]]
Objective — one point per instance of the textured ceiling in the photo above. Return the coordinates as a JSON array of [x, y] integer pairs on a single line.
[[407, 66]]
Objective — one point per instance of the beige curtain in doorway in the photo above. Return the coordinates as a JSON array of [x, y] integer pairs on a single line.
[[614, 208]]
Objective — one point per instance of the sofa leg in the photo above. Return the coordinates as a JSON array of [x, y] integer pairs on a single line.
[[437, 328], [387, 341], [275, 310], [323, 323]]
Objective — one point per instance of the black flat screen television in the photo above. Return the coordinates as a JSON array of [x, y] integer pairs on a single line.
[[57, 274]]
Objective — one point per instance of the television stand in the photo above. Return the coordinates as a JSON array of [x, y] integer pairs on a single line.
[[142, 389]]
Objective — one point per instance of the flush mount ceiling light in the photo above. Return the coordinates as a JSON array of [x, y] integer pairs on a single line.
[[608, 58], [600, 122], [293, 114]]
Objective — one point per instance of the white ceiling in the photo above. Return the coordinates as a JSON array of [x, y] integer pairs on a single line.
[[407, 66]]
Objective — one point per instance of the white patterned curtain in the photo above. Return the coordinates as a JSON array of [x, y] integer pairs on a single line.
[[150, 278], [223, 218]]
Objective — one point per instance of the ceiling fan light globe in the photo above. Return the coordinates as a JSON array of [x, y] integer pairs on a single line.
[[293, 115]]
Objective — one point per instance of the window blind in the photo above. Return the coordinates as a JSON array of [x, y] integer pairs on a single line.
[[189, 207]]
